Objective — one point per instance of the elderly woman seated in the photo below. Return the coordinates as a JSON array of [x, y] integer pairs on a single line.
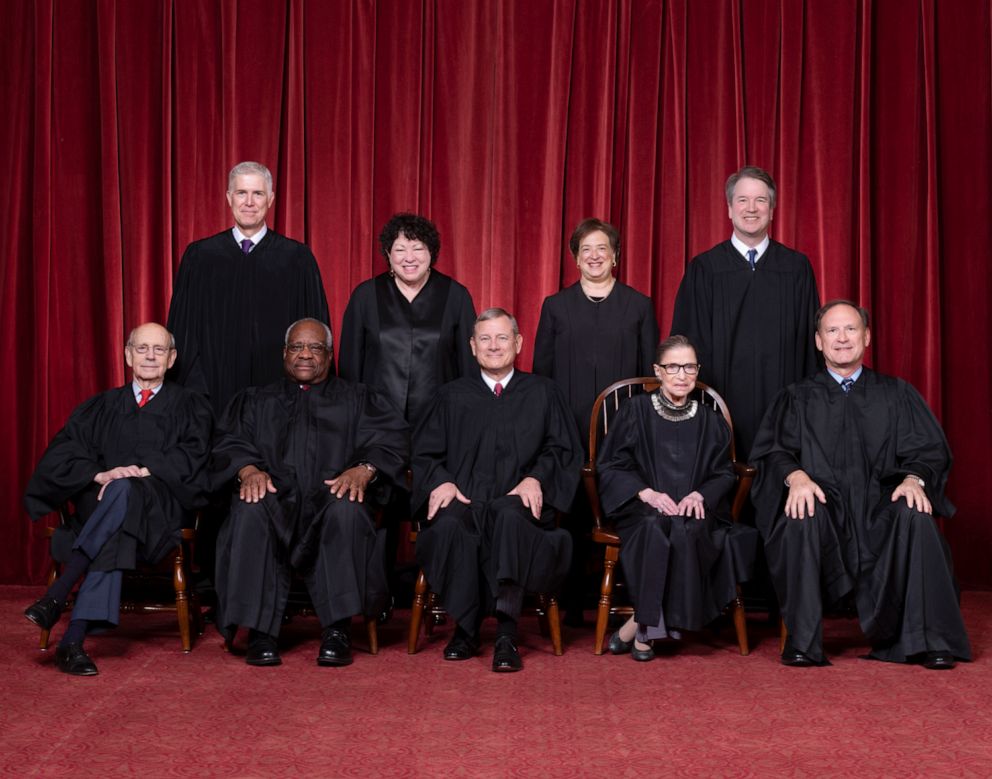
[[665, 482]]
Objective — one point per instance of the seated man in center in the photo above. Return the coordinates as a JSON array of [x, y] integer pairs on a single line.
[[310, 453], [494, 457]]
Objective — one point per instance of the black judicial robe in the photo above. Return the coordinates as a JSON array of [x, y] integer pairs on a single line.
[[680, 567], [229, 311], [170, 436], [486, 446], [753, 330], [301, 437], [407, 349], [859, 447], [584, 346]]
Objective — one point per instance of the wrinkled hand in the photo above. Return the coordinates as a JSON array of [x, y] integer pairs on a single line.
[[120, 472], [914, 494], [659, 501], [255, 484], [353, 481], [803, 494], [692, 506], [530, 493], [441, 497]]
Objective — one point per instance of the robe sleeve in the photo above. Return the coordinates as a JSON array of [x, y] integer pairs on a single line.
[[776, 453], [351, 344], [649, 337], [812, 360], [233, 446], [714, 468], [69, 463], [693, 314], [430, 445], [544, 342], [558, 464], [182, 466], [922, 448], [467, 364], [182, 323], [620, 475], [382, 436]]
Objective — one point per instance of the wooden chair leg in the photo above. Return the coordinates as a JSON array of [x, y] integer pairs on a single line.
[[782, 633], [53, 574], [433, 617], [417, 612], [179, 584], [610, 557], [372, 628], [740, 623], [554, 624]]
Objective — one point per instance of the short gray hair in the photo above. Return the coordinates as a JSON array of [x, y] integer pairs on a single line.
[[310, 320], [249, 168], [496, 313], [862, 311]]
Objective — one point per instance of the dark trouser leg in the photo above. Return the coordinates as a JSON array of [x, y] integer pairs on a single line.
[[518, 549], [448, 551], [253, 574], [347, 577]]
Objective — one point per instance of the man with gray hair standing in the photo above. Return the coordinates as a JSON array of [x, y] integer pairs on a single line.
[[235, 292]]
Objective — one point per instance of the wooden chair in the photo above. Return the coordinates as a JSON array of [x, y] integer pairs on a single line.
[[603, 410], [425, 600], [186, 603]]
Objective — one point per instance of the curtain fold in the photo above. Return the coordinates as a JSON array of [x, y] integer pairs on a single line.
[[506, 122]]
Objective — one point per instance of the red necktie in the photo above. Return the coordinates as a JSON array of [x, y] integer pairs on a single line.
[[498, 389], [146, 395]]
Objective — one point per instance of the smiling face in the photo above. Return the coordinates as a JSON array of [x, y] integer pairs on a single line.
[[409, 260], [250, 200], [149, 354], [306, 357], [495, 346], [843, 338], [750, 209], [595, 257], [677, 386]]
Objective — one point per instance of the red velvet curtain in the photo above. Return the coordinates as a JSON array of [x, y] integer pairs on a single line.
[[505, 121]]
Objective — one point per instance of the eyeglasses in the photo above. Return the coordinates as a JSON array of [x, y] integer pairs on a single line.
[[315, 349], [690, 368], [157, 350]]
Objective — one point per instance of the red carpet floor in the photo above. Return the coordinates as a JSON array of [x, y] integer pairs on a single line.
[[707, 711]]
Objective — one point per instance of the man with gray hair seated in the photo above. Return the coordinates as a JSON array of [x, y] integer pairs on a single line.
[[305, 460], [132, 461], [495, 456]]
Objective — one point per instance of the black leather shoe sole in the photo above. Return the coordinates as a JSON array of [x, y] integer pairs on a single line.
[[460, 649], [74, 661], [506, 658], [797, 660], [334, 658], [44, 612], [939, 661]]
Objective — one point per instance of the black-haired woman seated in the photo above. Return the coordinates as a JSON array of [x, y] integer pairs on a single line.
[[665, 478]]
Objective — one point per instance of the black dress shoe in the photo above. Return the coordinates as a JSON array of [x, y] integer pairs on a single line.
[[461, 647], [618, 646], [642, 655], [796, 659], [262, 650], [45, 612], [72, 659], [335, 648], [939, 661], [506, 658]]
